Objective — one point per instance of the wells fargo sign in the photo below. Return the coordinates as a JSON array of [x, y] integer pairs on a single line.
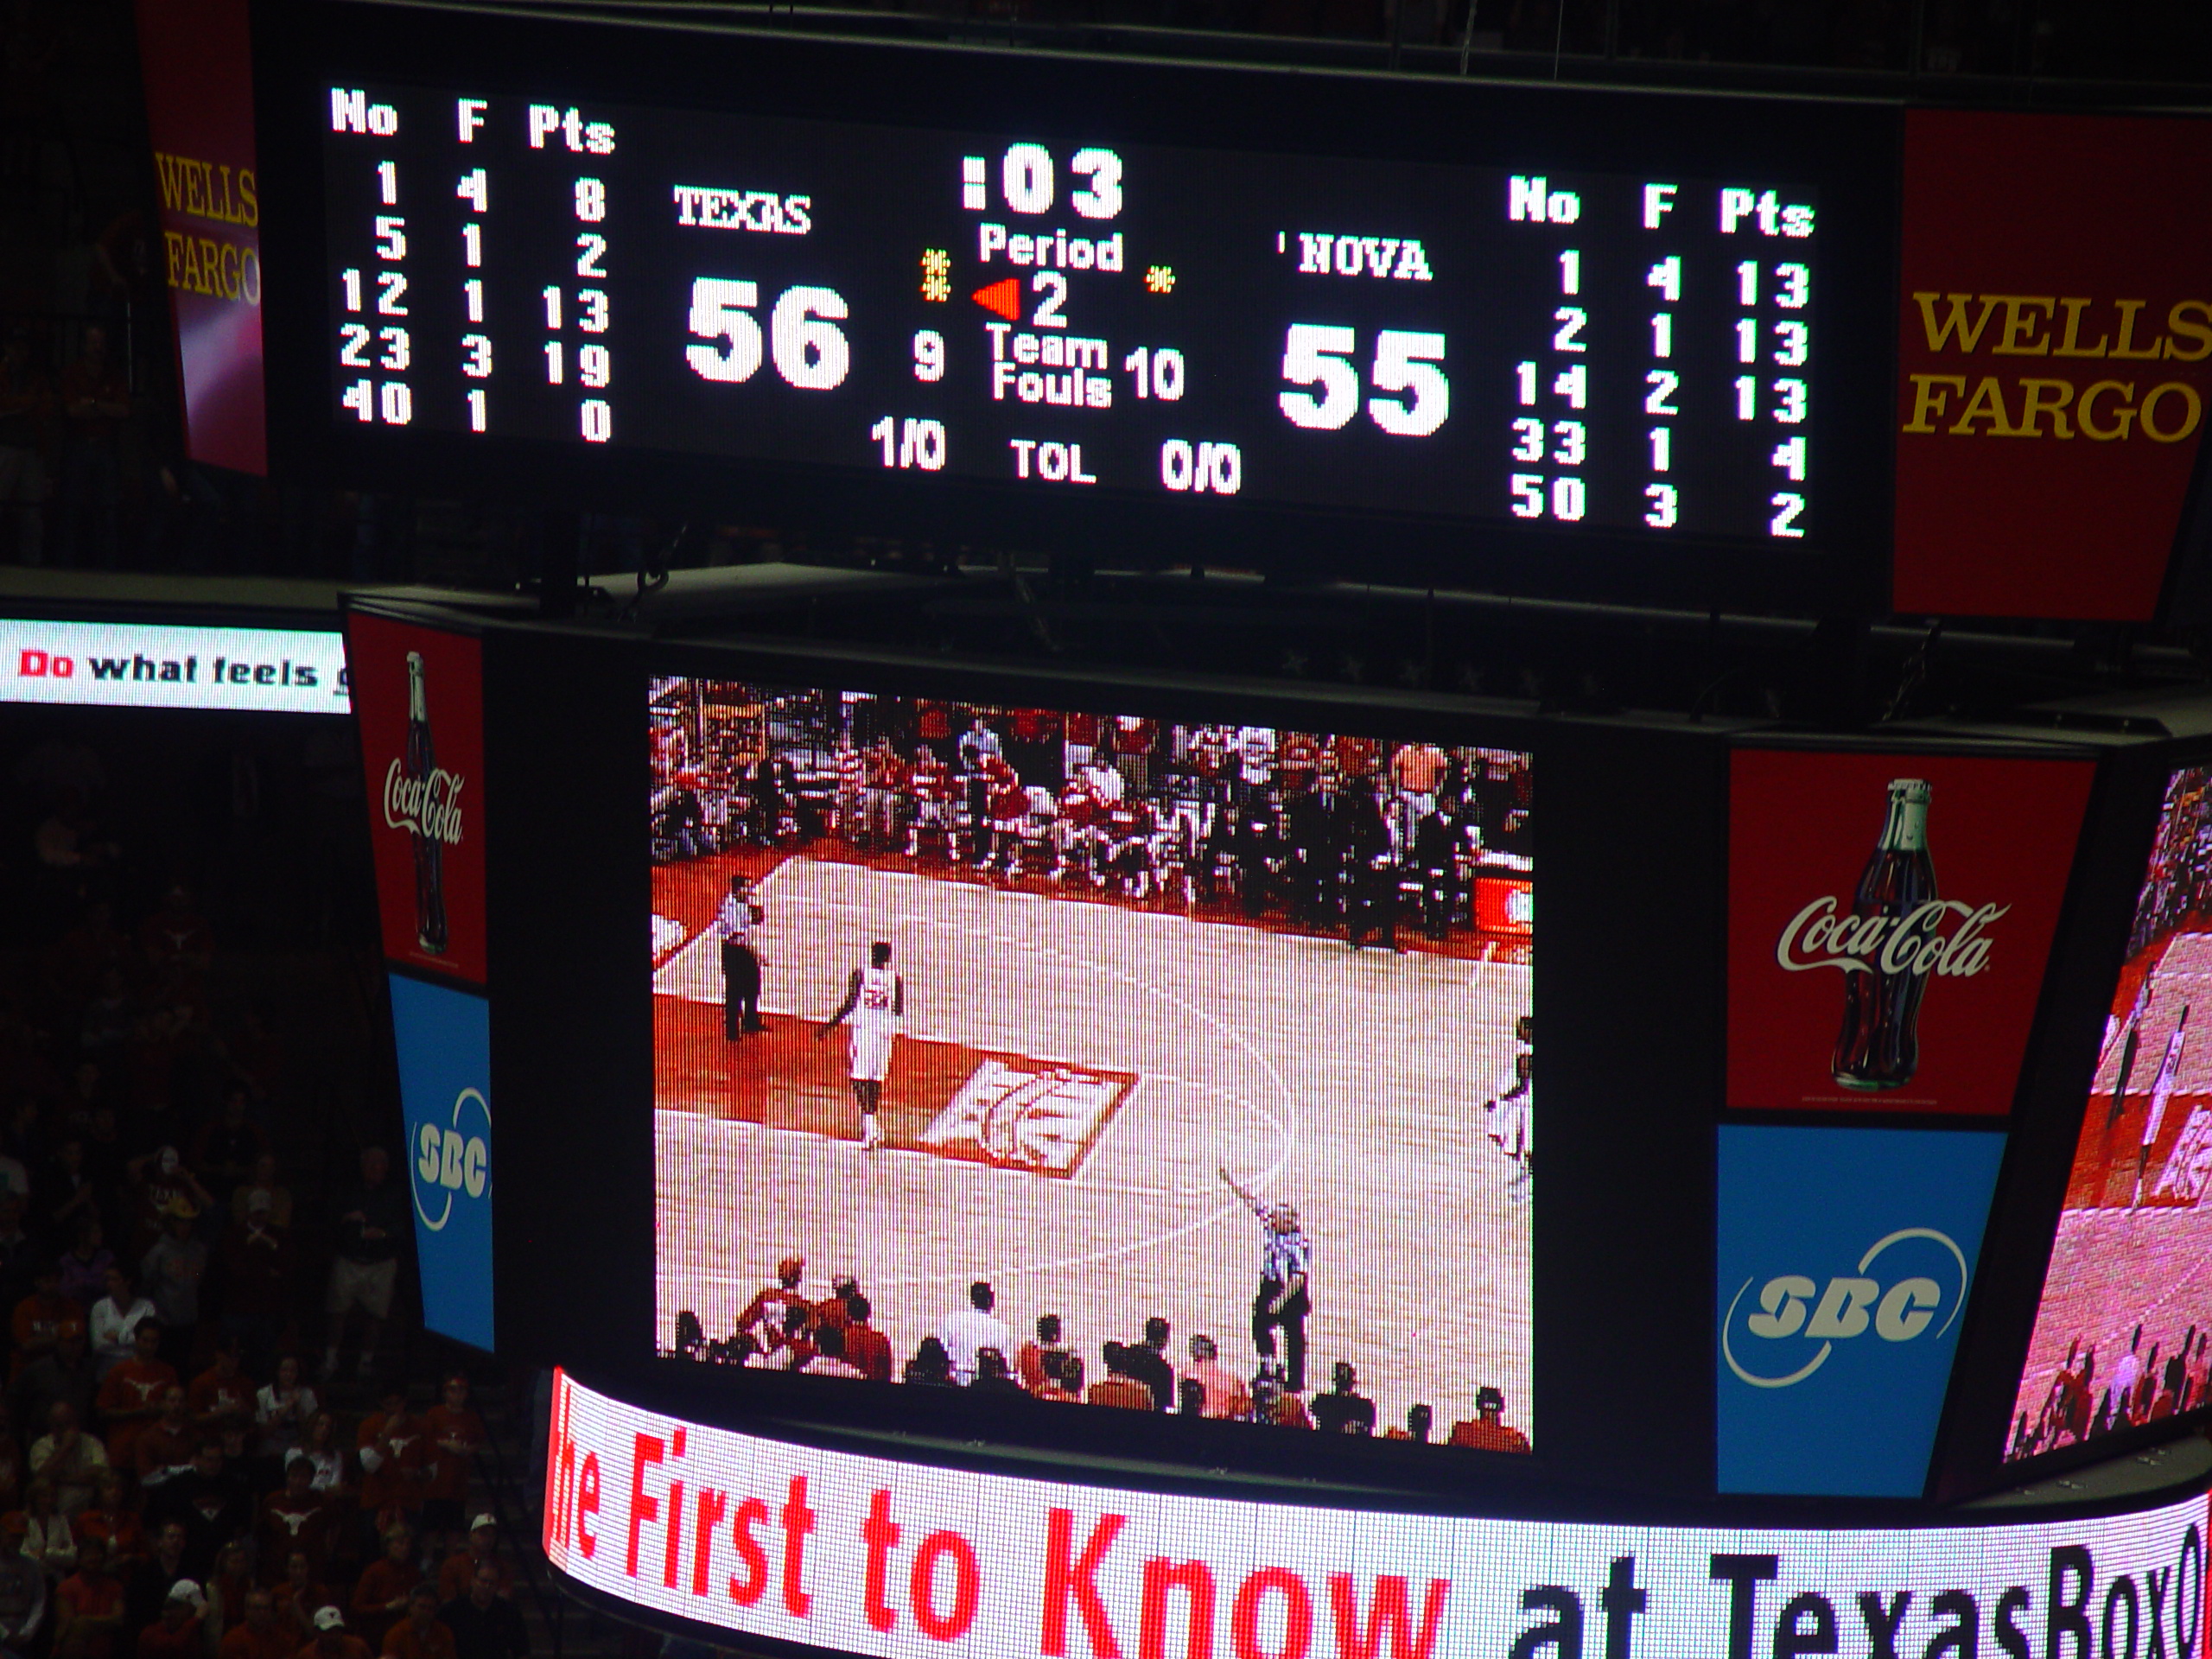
[[198, 69], [2055, 329]]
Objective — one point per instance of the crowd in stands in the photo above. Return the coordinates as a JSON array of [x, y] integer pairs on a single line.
[[783, 1329], [216, 1439], [2084, 1403]]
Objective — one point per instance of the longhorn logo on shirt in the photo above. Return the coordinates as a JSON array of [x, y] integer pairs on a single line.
[[1785, 1333]]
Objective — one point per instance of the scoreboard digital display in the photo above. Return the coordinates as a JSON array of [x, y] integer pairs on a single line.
[[1634, 352]]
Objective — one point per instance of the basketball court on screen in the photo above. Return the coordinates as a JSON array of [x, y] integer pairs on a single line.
[[1068, 1078], [2120, 1261]]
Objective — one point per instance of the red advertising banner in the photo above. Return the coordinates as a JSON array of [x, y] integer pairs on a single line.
[[420, 696], [2054, 355], [1888, 919], [196, 57]]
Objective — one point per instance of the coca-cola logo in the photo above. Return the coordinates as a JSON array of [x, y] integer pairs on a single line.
[[1914, 943], [429, 806]]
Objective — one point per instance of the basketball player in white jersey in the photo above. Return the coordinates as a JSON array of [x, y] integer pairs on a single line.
[[875, 1000]]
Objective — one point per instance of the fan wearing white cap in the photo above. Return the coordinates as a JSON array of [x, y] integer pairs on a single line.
[[331, 1640], [176, 1634]]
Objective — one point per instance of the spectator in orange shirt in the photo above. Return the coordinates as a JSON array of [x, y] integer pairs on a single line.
[[866, 1346], [1226, 1396], [331, 1639], [421, 1634], [1063, 1379], [220, 1401], [1117, 1388], [394, 1449], [459, 1573], [89, 1604], [132, 1395], [1488, 1432], [176, 1634], [165, 1448], [456, 1434], [36, 1322], [380, 1595], [299, 1595], [1029, 1363], [834, 1308], [113, 1522], [260, 1637], [297, 1518]]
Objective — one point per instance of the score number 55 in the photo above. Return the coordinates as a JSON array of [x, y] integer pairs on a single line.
[[1320, 355]]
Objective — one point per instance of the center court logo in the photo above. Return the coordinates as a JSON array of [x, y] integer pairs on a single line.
[[449, 1160], [1923, 1275]]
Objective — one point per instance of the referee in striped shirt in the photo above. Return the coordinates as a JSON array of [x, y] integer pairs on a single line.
[[733, 924], [1285, 1297]]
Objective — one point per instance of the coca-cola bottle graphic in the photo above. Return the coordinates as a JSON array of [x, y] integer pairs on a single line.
[[429, 856], [1879, 1045]]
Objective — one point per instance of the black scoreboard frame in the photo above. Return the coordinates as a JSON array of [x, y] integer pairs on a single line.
[[572, 1046], [1849, 150], [1630, 971]]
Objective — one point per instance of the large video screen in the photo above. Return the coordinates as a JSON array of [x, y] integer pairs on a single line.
[[2124, 1333], [1094, 1057]]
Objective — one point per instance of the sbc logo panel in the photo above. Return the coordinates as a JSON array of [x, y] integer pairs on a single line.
[[444, 1042], [1844, 1261]]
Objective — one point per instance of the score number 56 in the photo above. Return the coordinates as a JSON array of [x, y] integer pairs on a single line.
[[1320, 355]]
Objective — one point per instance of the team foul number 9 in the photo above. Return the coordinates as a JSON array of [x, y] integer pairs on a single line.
[[808, 347], [1318, 355]]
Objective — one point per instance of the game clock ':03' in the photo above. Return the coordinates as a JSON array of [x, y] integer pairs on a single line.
[[1594, 351]]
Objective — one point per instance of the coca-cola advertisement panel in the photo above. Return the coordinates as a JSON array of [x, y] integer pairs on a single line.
[[419, 693], [1890, 919], [2123, 1334]]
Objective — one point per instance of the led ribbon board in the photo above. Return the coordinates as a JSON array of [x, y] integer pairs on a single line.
[[160, 665], [867, 1555]]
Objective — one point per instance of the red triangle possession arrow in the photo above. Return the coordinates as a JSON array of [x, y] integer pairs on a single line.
[[1003, 297]]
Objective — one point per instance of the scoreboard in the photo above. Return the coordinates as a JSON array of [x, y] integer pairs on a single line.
[[1638, 352], [1582, 340]]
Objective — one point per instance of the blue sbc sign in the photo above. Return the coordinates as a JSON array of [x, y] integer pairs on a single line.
[[445, 1069], [1844, 1261]]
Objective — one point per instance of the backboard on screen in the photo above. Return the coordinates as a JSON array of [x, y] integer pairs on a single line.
[[970, 1019], [2123, 1332]]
